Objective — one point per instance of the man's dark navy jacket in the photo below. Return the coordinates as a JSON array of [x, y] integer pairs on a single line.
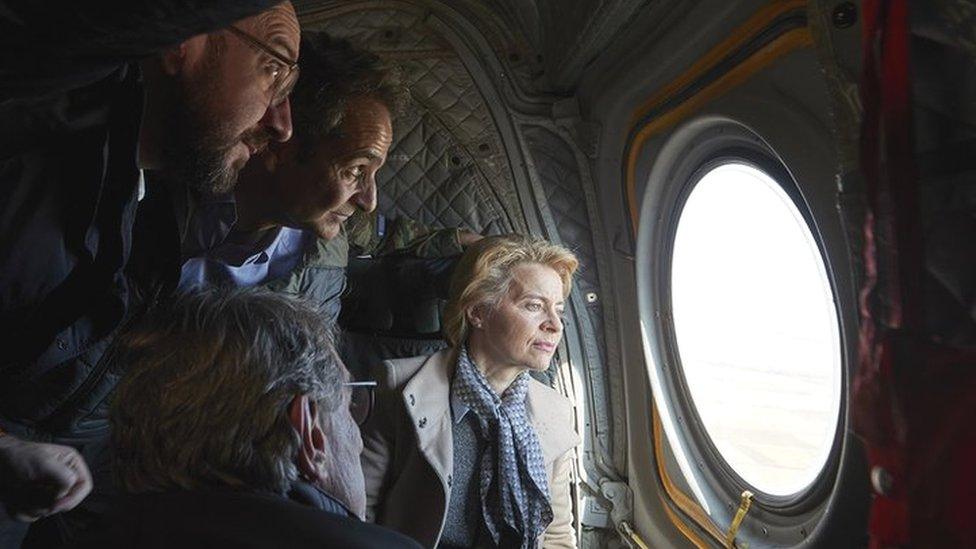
[[70, 107], [233, 519]]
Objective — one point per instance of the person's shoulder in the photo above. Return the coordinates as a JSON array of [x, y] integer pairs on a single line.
[[327, 252], [299, 524], [553, 417], [231, 518], [373, 535], [544, 396], [398, 372]]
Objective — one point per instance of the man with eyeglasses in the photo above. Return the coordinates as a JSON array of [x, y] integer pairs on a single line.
[[233, 426], [91, 95], [302, 207]]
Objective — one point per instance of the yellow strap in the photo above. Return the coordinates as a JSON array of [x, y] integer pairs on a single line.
[[631, 536], [740, 515]]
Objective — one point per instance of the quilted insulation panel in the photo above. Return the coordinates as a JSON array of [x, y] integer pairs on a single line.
[[446, 166]]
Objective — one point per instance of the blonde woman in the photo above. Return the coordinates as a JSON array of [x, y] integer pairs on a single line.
[[466, 449]]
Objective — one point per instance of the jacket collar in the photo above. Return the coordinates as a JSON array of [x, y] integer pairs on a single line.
[[427, 400], [313, 496]]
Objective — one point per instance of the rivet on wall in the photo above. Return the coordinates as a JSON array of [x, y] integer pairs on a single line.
[[844, 15]]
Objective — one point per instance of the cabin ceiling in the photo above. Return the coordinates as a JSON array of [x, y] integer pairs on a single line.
[[553, 41], [568, 35]]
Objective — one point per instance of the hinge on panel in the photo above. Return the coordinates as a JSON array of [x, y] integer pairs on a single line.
[[621, 499], [615, 499], [744, 504]]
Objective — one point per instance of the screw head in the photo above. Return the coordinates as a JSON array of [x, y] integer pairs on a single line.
[[844, 15], [881, 480]]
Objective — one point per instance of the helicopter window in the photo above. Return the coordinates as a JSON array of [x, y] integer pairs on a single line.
[[747, 315], [755, 328]]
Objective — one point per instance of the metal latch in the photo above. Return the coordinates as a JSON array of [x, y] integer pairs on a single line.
[[744, 504]]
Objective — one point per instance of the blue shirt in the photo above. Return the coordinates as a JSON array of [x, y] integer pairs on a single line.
[[210, 259]]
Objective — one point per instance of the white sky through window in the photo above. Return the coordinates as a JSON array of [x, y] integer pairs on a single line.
[[756, 328]]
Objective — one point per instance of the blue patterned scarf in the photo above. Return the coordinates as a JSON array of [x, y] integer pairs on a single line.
[[513, 484]]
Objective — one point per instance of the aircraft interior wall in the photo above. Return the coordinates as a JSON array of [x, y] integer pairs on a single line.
[[581, 121], [774, 75], [771, 334]]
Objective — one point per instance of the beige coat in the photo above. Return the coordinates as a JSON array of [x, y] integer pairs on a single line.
[[408, 449]]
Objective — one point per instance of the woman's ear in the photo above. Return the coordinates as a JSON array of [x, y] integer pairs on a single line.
[[476, 316], [304, 418]]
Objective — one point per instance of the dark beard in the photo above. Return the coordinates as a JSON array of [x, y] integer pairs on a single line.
[[196, 147]]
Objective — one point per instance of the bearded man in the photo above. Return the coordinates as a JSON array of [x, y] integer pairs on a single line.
[[91, 95]]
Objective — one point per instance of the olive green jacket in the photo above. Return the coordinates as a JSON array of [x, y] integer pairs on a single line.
[[371, 234], [320, 275]]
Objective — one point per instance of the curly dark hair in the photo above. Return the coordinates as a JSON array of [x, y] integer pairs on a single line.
[[334, 72]]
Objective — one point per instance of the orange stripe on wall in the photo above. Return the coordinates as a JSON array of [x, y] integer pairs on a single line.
[[680, 499], [762, 58], [785, 43], [737, 39]]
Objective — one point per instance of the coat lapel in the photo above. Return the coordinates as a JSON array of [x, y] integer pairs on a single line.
[[426, 397], [427, 400]]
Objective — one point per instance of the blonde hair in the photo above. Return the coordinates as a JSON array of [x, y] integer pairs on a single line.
[[484, 272]]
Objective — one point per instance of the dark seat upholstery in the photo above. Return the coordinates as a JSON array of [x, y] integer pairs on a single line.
[[392, 309]]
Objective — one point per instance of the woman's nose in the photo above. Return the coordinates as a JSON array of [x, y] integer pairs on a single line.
[[553, 323]]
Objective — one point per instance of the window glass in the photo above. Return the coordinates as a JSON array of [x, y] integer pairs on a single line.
[[756, 328]]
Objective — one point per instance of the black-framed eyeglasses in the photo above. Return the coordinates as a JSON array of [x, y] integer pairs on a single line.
[[286, 73], [361, 401]]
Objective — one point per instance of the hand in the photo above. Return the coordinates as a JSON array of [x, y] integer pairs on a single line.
[[467, 238], [38, 479]]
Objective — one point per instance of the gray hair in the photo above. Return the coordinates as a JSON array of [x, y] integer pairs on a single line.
[[334, 72], [209, 377]]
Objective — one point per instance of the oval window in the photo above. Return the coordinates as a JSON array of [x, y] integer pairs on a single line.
[[756, 328]]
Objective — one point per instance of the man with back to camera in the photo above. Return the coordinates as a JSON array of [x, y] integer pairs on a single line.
[[89, 95], [249, 382], [294, 201]]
